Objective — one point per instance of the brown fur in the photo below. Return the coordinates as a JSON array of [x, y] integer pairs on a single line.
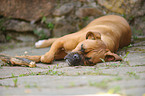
[[109, 33]]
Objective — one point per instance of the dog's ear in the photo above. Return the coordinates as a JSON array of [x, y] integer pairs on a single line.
[[109, 56], [93, 35]]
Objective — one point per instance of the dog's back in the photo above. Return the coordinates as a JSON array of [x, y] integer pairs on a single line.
[[115, 31], [111, 23]]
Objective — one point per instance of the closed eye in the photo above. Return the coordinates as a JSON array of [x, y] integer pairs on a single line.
[[87, 50]]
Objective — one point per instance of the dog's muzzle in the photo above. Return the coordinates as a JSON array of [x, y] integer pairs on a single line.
[[74, 59]]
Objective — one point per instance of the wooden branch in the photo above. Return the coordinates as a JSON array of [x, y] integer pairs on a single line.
[[17, 61]]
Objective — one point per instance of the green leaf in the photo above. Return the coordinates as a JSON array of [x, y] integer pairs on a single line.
[[43, 19]]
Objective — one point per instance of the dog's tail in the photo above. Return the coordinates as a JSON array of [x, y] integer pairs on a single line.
[[45, 43]]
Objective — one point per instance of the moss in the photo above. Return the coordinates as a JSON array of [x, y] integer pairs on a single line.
[[50, 25], [40, 33], [86, 18], [136, 32], [2, 27]]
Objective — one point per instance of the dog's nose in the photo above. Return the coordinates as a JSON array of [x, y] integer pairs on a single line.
[[73, 59], [76, 57], [70, 59]]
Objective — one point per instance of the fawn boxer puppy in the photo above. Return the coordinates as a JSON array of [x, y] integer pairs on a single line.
[[98, 40]]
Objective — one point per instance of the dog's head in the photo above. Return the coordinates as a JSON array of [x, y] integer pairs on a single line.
[[90, 51]]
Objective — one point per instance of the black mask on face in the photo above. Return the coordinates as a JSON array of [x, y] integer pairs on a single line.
[[74, 59], [78, 58]]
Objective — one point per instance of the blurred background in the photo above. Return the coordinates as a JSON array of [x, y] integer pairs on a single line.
[[27, 21]]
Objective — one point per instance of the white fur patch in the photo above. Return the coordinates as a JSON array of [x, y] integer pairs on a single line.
[[39, 43]]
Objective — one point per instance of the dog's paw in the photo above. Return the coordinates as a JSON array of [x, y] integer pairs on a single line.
[[39, 43], [46, 59]]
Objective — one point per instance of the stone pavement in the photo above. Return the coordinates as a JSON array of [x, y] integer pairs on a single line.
[[126, 78]]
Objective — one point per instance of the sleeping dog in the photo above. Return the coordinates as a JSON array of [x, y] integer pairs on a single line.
[[100, 39]]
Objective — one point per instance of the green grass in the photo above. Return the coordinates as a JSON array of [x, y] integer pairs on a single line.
[[115, 64], [96, 72], [51, 71], [13, 76], [125, 55], [103, 60], [22, 75], [133, 75], [15, 82]]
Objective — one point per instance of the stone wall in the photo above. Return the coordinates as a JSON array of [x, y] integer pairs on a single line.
[[30, 20]]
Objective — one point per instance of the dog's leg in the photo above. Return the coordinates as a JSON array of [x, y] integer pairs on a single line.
[[60, 55], [33, 58], [49, 56], [45, 43]]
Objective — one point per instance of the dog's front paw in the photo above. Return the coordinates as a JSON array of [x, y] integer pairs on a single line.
[[39, 43], [46, 59]]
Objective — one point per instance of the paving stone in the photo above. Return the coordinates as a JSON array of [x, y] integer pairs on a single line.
[[128, 75], [6, 72], [55, 64], [127, 84], [29, 50], [78, 70], [124, 70], [135, 91], [49, 92], [141, 75], [136, 59], [136, 56], [53, 81]]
